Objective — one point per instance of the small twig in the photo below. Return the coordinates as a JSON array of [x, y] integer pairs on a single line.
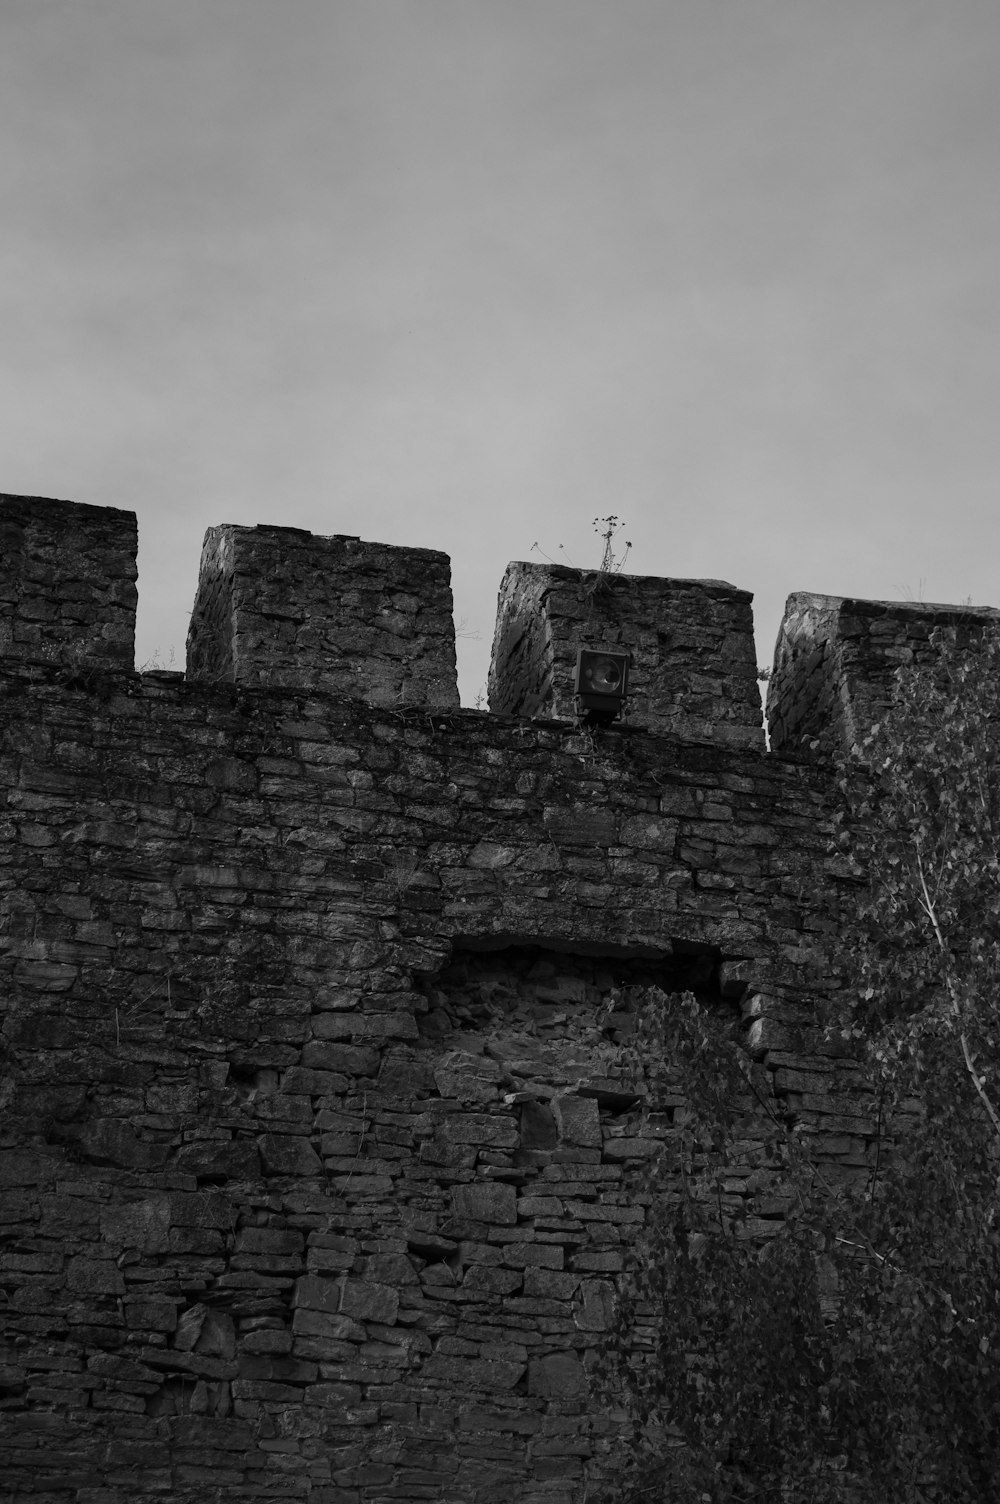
[[977, 1080]]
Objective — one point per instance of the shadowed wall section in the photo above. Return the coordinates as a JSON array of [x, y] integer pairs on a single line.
[[67, 583], [319, 1158], [835, 661]]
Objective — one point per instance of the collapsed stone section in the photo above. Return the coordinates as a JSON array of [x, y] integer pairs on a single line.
[[67, 583], [280, 606], [836, 659], [693, 665]]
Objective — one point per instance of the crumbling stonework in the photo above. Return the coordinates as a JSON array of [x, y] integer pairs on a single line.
[[319, 1161]]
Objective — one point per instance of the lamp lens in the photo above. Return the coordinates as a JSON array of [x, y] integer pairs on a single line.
[[605, 674]]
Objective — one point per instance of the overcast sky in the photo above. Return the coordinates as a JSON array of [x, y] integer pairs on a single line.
[[465, 274]]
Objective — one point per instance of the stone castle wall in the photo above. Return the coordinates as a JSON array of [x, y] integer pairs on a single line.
[[318, 1160]]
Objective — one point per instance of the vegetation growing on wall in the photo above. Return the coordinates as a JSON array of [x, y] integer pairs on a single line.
[[848, 1350]]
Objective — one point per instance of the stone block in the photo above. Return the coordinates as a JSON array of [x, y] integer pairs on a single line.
[[364, 1300], [85, 1276], [312, 1083], [188, 1327], [538, 1126], [202, 1330], [137, 1224], [488, 1281], [465, 1375], [595, 1311], [351, 1060], [467, 1077], [286, 1154], [580, 825], [269, 1240], [578, 1120], [315, 1293], [559, 1376], [486, 1202], [276, 1368], [237, 1159], [550, 1284], [368, 621], [152, 1313], [536, 1255], [267, 1341], [326, 1325], [116, 1143], [480, 1128]]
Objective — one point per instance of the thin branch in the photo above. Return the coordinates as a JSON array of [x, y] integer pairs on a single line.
[[977, 1080], [927, 903]]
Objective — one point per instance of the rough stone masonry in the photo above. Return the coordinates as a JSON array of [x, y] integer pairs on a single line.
[[318, 1165]]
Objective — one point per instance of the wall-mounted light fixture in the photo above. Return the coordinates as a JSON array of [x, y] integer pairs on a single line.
[[600, 685]]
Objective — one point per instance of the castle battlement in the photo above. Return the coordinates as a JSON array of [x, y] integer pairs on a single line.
[[67, 583], [282, 607], [277, 605], [836, 658], [690, 642], [318, 1159]]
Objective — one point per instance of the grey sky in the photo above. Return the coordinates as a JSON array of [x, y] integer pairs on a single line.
[[467, 273]]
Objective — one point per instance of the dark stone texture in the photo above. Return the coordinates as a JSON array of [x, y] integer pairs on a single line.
[[280, 606], [67, 584], [319, 1148], [835, 661], [690, 642]]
